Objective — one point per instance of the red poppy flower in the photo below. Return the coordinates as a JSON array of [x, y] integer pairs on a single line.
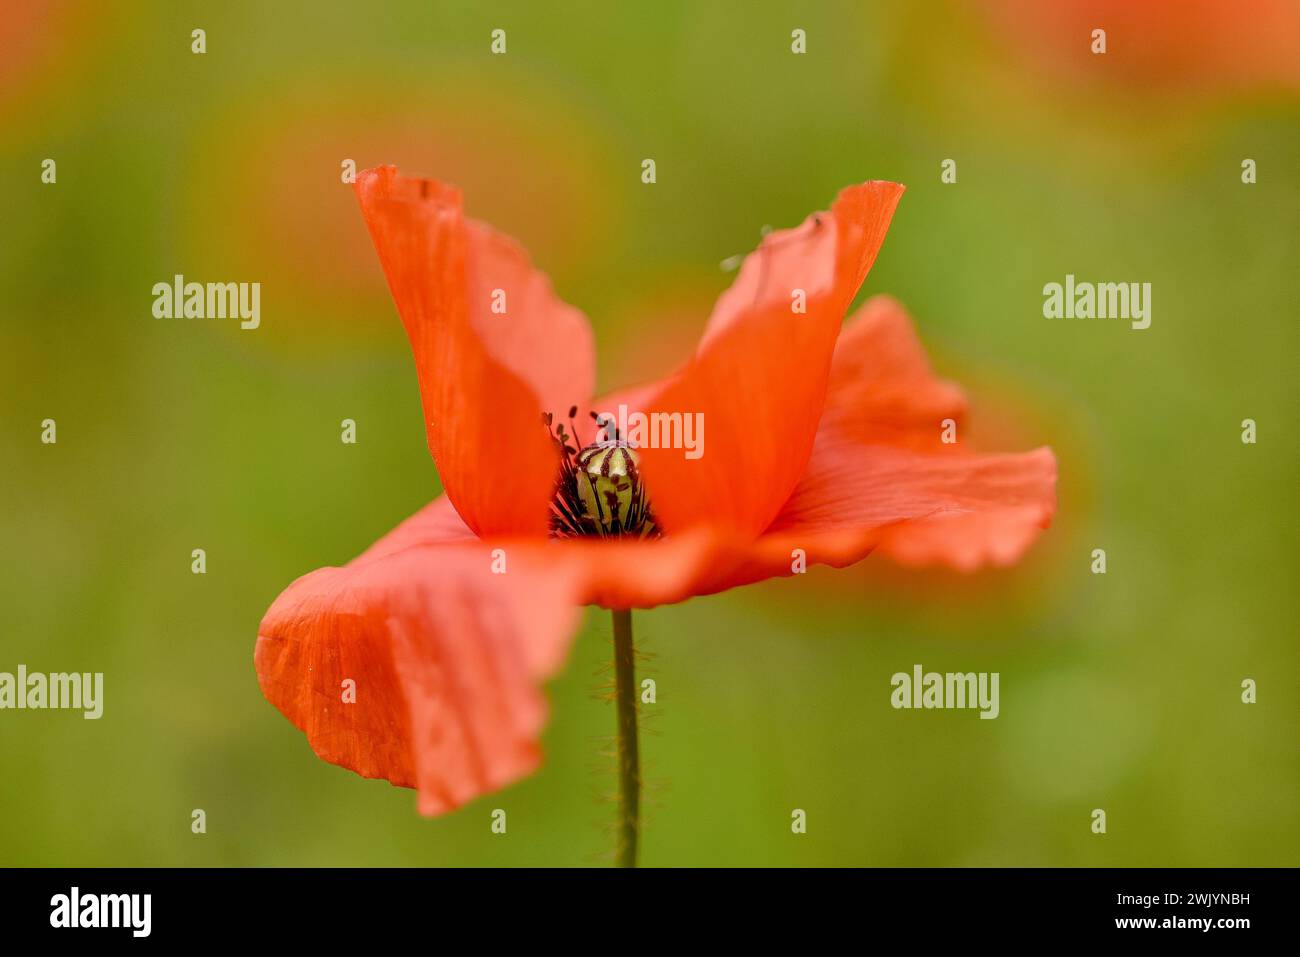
[[822, 445]]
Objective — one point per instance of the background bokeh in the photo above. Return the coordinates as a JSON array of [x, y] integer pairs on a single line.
[[1119, 691]]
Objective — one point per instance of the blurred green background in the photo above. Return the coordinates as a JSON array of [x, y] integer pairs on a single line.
[[1119, 691]]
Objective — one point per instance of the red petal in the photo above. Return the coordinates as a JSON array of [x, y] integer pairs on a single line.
[[882, 389], [543, 340], [650, 572], [447, 659], [612, 573], [958, 510], [759, 377], [484, 378], [880, 477]]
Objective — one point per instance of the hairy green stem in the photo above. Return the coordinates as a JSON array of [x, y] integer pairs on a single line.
[[629, 760]]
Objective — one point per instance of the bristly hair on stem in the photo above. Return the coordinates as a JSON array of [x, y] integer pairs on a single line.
[[629, 757]]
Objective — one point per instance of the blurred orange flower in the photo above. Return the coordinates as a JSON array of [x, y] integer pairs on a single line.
[[1216, 45]]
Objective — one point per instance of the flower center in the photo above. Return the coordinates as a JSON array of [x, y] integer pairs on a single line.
[[599, 491]]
